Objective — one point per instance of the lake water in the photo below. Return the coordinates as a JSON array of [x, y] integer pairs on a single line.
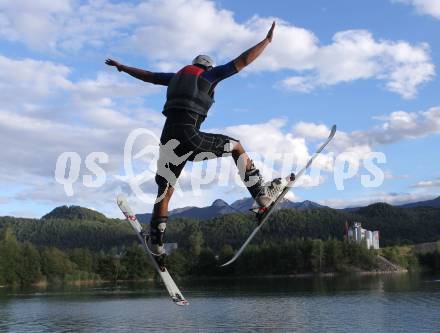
[[398, 303]]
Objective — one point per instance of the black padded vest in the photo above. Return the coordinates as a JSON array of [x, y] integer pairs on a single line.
[[188, 90]]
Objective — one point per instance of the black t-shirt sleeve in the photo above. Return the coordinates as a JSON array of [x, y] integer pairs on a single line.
[[221, 72], [162, 79]]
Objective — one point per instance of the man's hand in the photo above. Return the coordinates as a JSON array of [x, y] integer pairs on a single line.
[[112, 62], [270, 33], [135, 72]]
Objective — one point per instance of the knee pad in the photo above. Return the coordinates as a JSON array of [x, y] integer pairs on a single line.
[[157, 230]]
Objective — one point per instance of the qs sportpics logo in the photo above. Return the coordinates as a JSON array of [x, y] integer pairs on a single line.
[[145, 158]]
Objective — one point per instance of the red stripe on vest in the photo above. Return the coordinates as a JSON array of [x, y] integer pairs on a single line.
[[191, 70]]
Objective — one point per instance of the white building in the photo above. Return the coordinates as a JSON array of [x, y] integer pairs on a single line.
[[357, 234]]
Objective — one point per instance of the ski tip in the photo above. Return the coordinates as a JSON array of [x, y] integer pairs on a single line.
[[120, 198], [179, 300], [333, 131], [228, 262]]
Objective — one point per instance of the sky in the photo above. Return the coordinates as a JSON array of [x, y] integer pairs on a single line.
[[368, 66]]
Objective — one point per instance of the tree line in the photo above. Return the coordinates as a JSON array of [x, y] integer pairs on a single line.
[[73, 227], [85, 245], [22, 263]]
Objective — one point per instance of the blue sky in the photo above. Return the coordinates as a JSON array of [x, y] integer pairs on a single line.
[[368, 66]]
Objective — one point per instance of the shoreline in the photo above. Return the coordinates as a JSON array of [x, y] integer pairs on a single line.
[[299, 275], [235, 277], [79, 283]]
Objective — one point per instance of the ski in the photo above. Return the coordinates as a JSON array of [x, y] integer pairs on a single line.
[[168, 281], [263, 214]]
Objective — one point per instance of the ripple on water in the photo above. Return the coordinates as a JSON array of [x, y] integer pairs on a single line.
[[379, 306]]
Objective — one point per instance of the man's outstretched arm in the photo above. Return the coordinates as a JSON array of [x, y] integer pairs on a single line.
[[250, 55], [135, 72]]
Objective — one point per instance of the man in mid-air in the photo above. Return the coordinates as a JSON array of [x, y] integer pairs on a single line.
[[190, 94]]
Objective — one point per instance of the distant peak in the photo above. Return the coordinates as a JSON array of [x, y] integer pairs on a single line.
[[74, 213], [309, 203], [219, 203]]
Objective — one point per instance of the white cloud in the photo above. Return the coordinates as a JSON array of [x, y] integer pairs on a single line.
[[178, 29], [27, 80], [44, 89], [427, 183], [96, 25], [170, 33], [33, 152], [356, 55], [405, 125], [34, 145], [64, 25], [33, 149], [32, 22], [396, 126], [276, 151], [353, 55], [298, 83], [113, 101], [310, 130], [425, 7], [43, 113], [389, 175], [272, 147]]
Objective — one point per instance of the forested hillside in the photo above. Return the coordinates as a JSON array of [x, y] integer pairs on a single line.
[[71, 233], [78, 227], [72, 243]]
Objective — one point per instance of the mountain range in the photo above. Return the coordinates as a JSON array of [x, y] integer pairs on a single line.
[[220, 207], [427, 203]]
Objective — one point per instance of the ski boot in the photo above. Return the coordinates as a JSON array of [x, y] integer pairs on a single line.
[[271, 190], [157, 232], [269, 193], [264, 194]]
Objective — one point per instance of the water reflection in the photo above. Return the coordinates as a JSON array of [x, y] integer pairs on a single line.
[[387, 303]]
